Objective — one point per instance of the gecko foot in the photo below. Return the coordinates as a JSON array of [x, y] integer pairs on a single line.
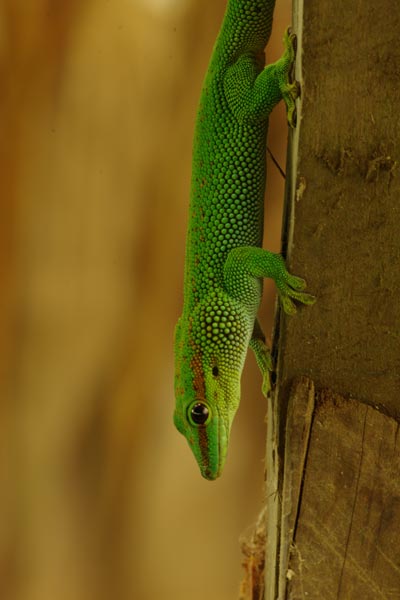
[[264, 362], [290, 88], [290, 288]]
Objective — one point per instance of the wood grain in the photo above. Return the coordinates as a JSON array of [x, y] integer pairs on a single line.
[[348, 527]]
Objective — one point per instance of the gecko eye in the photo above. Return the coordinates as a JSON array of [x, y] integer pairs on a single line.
[[199, 413], [215, 371]]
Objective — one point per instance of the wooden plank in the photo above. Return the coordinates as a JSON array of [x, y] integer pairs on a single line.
[[343, 214], [282, 501], [272, 501], [341, 233], [297, 433], [346, 538]]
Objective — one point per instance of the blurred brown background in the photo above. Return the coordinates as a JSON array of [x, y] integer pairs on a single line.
[[100, 497]]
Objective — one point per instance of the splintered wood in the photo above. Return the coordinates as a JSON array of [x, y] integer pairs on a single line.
[[253, 550]]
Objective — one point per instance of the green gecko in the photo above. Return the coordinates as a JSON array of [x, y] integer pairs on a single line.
[[225, 263]]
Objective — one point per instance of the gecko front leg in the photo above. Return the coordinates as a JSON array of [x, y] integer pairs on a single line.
[[244, 268], [263, 356]]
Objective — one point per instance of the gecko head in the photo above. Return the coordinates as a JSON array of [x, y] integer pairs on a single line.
[[207, 380], [204, 412]]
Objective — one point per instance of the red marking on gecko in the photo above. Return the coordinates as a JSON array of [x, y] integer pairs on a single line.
[[200, 389]]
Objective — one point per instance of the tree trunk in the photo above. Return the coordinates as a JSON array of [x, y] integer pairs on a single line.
[[333, 490]]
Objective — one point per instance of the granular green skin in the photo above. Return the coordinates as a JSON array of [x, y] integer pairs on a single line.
[[224, 260]]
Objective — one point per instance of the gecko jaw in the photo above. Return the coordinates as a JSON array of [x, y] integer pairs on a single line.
[[213, 459]]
